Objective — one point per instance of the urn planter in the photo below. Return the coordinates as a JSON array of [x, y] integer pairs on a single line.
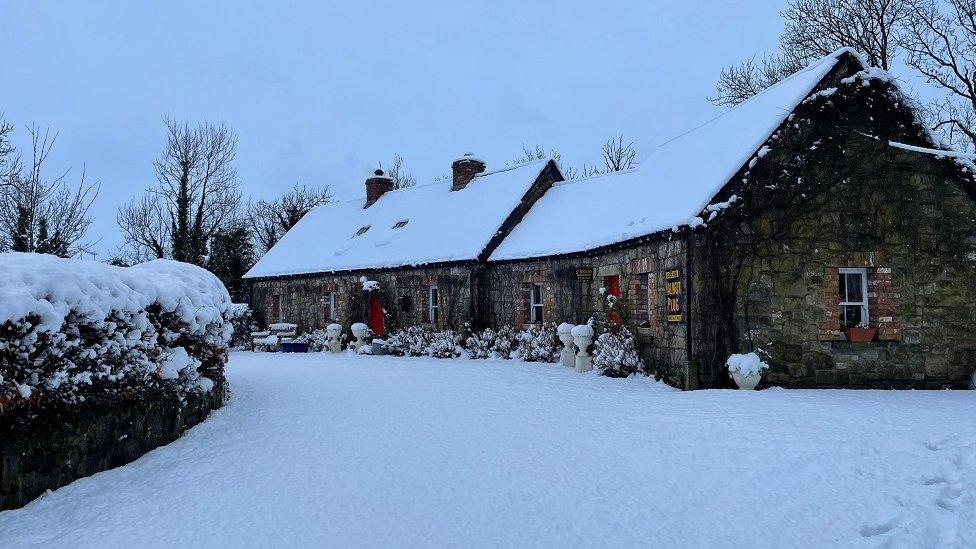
[[747, 382], [747, 370], [360, 331], [567, 357], [860, 335]]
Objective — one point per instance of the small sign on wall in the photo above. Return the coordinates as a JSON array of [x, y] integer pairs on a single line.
[[674, 293], [584, 274]]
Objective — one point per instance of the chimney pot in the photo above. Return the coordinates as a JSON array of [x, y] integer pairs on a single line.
[[377, 186], [465, 169]]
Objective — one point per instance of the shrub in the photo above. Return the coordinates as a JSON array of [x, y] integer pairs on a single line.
[[412, 341], [616, 354], [317, 340], [242, 323], [446, 344], [76, 331], [537, 343], [491, 343]]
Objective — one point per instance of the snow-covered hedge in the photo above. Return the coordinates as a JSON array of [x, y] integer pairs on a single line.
[[616, 353], [317, 340], [242, 322], [536, 343], [75, 331]]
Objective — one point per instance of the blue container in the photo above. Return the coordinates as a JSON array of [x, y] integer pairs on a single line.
[[286, 346], [299, 347]]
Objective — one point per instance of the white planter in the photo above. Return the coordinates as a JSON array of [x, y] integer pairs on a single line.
[[584, 362], [747, 383], [567, 357], [360, 331], [334, 332]]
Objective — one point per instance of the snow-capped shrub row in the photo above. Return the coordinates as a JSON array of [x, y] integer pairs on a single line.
[[80, 331], [535, 343]]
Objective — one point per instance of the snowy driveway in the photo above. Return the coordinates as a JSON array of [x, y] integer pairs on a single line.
[[320, 450]]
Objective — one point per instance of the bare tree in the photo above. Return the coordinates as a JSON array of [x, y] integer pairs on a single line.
[[815, 28], [271, 219], [6, 154], [196, 194], [617, 156], [41, 214], [145, 229], [401, 179], [533, 153], [736, 83], [940, 39]]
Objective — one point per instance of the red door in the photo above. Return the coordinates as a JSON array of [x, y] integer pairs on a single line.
[[376, 322], [612, 285]]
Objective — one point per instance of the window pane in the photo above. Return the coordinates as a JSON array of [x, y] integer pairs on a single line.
[[854, 289], [536, 294], [851, 315]]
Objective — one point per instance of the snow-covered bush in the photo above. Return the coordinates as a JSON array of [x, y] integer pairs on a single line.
[[411, 341], [419, 341], [616, 354], [317, 340], [492, 343], [537, 343], [446, 344], [76, 331], [242, 322], [746, 364]]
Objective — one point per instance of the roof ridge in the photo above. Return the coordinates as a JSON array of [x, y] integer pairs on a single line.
[[810, 66], [567, 182]]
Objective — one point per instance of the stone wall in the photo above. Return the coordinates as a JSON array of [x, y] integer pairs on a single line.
[[568, 296], [825, 198], [48, 451], [302, 298]]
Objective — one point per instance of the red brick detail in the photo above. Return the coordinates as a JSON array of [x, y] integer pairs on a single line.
[[881, 304], [464, 170], [377, 187], [828, 297]]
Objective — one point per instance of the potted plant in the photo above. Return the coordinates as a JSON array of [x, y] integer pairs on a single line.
[[746, 370], [862, 333]]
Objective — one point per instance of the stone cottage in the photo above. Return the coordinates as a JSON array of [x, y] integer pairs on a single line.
[[819, 224]]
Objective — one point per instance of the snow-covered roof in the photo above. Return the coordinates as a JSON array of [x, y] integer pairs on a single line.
[[673, 184], [440, 225]]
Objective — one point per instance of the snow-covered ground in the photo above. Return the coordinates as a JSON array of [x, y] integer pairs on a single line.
[[321, 450]]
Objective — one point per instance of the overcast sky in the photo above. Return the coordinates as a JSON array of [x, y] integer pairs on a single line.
[[319, 93]]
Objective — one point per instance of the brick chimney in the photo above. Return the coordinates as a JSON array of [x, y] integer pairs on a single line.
[[376, 187], [465, 168]]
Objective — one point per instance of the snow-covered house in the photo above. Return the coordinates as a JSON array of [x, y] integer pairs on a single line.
[[423, 246], [819, 213]]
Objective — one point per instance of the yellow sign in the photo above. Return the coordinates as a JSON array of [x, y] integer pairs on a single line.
[[674, 295]]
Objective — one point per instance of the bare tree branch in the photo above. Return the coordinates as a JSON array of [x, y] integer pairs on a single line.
[[270, 220], [39, 214]]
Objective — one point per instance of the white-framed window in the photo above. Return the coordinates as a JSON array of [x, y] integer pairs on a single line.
[[329, 306], [535, 303], [433, 305], [853, 287]]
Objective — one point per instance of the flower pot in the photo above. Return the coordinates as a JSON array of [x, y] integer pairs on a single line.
[[747, 383], [286, 346], [860, 335], [299, 347]]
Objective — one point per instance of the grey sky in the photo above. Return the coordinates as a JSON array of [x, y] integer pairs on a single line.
[[318, 92]]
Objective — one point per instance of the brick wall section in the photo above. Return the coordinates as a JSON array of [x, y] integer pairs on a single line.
[[567, 299], [302, 296]]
